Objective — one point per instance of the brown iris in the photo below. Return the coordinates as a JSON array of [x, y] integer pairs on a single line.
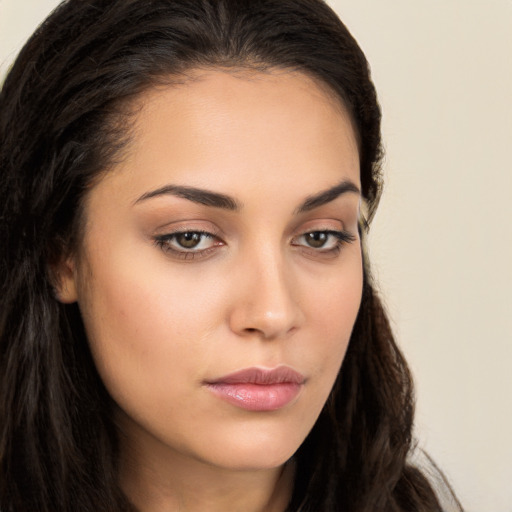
[[316, 239], [189, 240]]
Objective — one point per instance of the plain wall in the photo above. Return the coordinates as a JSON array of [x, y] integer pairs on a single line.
[[441, 243]]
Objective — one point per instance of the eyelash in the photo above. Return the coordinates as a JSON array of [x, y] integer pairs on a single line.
[[341, 238], [164, 242]]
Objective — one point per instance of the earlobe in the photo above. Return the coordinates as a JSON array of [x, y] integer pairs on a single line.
[[65, 281]]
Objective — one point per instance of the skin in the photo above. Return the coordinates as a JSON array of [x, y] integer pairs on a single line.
[[161, 323]]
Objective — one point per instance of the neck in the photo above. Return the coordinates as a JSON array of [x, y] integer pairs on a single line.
[[168, 481]]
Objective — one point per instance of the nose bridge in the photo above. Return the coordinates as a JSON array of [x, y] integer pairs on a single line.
[[267, 304]]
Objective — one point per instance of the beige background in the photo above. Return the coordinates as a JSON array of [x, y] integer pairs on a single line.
[[442, 241]]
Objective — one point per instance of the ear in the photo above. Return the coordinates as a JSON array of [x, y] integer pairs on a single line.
[[65, 281]]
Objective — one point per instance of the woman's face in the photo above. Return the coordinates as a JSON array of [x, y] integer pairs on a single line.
[[220, 272]]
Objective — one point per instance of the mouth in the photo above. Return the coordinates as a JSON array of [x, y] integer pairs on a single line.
[[259, 389]]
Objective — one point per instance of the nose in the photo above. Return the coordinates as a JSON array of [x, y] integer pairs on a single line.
[[266, 302]]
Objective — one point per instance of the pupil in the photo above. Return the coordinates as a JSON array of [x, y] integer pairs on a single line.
[[317, 239], [189, 240]]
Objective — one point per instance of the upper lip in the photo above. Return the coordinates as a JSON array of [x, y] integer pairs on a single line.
[[262, 376]]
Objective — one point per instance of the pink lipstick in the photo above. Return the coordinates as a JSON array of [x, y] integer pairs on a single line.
[[259, 389]]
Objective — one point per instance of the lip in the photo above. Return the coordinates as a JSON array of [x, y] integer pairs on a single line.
[[258, 389]]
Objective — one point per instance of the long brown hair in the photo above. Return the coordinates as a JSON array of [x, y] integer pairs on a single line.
[[63, 121]]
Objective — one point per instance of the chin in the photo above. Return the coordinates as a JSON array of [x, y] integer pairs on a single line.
[[255, 450], [259, 459]]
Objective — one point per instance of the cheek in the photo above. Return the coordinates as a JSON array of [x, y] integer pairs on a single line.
[[155, 334], [334, 306], [144, 331], [335, 300]]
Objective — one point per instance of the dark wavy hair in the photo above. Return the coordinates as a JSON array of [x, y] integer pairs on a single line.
[[64, 119]]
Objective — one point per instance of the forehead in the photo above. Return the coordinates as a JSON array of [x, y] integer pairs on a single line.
[[231, 129]]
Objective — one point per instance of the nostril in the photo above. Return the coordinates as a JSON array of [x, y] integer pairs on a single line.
[[269, 312]]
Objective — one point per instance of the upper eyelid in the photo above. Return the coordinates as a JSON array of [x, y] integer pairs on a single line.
[[322, 223], [342, 235], [187, 227], [174, 234], [206, 224], [320, 229]]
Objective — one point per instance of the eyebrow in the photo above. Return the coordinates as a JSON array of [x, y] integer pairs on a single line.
[[225, 202], [196, 195], [327, 196]]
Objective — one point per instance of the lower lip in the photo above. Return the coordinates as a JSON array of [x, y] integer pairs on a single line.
[[257, 397]]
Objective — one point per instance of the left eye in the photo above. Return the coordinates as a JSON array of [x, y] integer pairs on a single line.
[[324, 240]]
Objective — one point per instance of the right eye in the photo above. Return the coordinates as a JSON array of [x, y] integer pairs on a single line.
[[188, 244]]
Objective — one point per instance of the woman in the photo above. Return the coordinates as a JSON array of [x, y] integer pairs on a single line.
[[188, 320]]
